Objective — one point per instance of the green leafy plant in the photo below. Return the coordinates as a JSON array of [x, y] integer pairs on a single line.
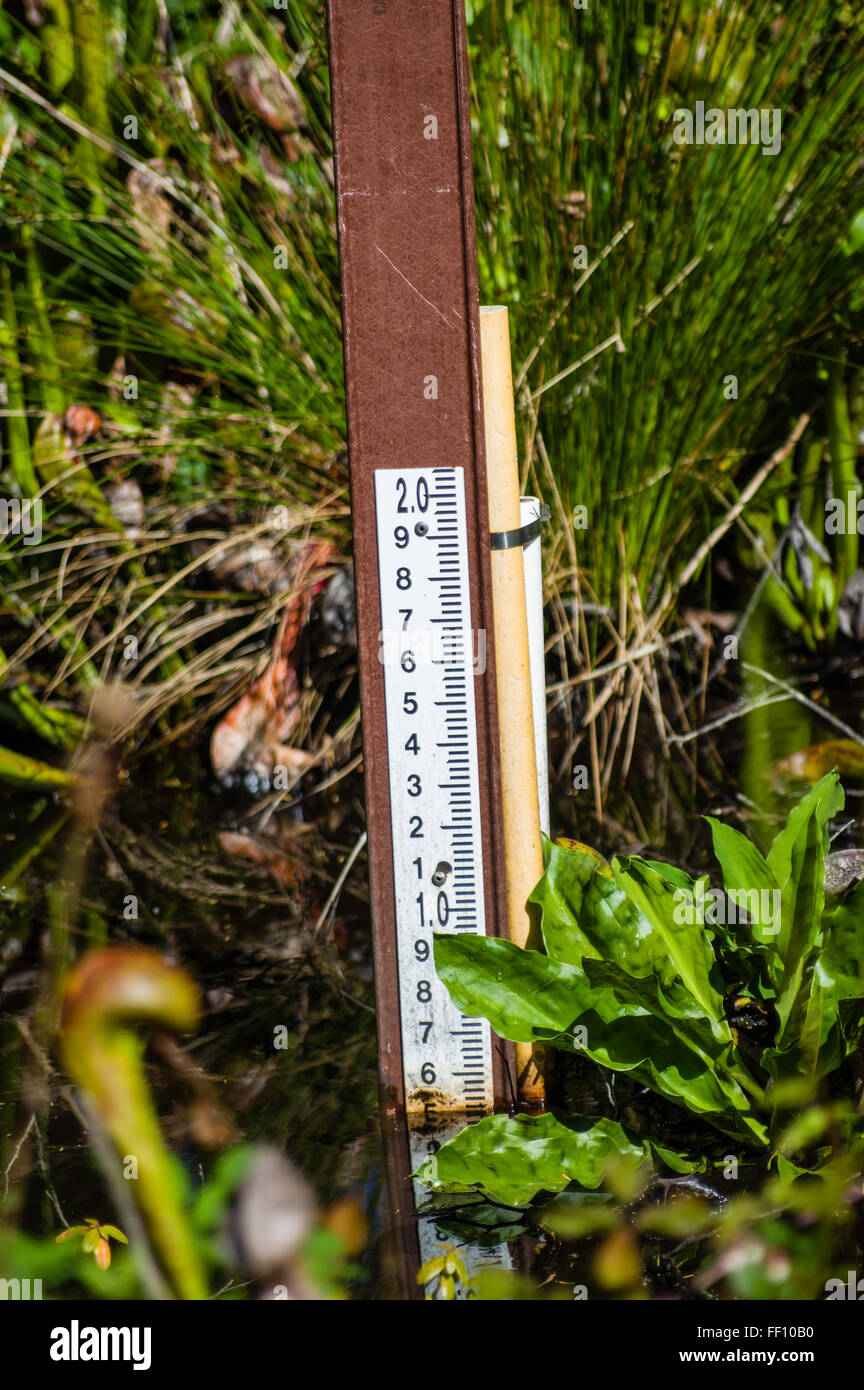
[[807, 556], [786, 1237], [652, 973], [95, 1239]]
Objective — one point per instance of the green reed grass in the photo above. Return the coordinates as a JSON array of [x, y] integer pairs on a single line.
[[731, 264], [200, 258]]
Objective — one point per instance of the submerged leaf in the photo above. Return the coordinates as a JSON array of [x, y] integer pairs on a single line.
[[514, 1158], [810, 764]]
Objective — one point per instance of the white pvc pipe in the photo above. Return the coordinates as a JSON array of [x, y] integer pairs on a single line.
[[529, 509]]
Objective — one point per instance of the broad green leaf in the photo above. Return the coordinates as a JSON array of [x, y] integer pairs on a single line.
[[800, 1056], [695, 1031], [564, 843], [679, 1163], [560, 894], [686, 946], [587, 915], [684, 1015], [746, 875], [514, 1158], [677, 877], [797, 861], [747, 928], [522, 993], [842, 956], [584, 912], [634, 976], [839, 979], [529, 998]]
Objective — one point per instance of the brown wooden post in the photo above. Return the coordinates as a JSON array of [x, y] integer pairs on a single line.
[[405, 206]]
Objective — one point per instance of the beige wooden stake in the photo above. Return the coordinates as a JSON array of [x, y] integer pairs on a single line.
[[523, 851]]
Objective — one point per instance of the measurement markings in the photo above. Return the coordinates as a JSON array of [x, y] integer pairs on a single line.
[[436, 701]]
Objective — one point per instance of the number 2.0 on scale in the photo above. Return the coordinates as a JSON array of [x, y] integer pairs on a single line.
[[428, 654]]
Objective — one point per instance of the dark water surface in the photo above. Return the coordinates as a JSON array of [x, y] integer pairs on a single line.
[[287, 1041]]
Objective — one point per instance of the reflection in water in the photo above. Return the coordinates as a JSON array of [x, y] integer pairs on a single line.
[[423, 1227]]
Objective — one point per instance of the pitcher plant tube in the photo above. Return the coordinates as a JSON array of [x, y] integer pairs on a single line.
[[106, 997]]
